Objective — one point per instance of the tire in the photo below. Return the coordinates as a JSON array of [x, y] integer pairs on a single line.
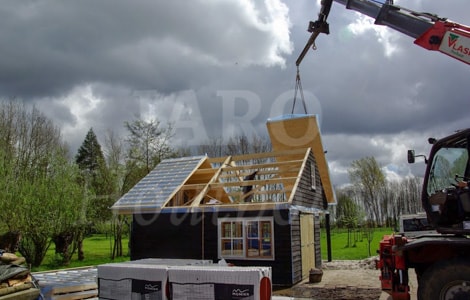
[[449, 280], [419, 270]]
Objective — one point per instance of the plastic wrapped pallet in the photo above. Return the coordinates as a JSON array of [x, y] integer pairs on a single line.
[[218, 282], [138, 279], [124, 281]]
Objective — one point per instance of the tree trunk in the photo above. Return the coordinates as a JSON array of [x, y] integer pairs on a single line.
[[81, 254], [117, 233], [63, 246]]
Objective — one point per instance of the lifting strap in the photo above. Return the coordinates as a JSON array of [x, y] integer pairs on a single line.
[[298, 88]]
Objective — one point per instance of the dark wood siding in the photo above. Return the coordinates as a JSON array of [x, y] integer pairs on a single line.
[[166, 236], [317, 238], [304, 195], [296, 248], [307, 197], [189, 236]]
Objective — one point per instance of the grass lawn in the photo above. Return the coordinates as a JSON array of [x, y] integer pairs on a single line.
[[358, 246], [97, 249]]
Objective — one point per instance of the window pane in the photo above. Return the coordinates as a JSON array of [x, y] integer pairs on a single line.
[[252, 248], [237, 247], [226, 229], [226, 247], [266, 239], [266, 229], [237, 229], [252, 229], [266, 247]]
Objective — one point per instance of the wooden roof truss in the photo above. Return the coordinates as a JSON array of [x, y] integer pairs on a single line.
[[223, 180]]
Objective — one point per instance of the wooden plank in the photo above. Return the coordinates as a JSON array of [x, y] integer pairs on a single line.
[[250, 206], [29, 294], [202, 174], [197, 200], [253, 182], [76, 295], [307, 244], [15, 282], [274, 154], [261, 192], [299, 177], [65, 289], [204, 171], [263, 166], [253, 156], [16, 288], [289, 167]]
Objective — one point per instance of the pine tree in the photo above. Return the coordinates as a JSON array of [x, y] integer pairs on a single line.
[[90, 158], [96, 179]]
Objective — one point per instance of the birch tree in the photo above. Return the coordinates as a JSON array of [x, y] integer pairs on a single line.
[[368, 177]]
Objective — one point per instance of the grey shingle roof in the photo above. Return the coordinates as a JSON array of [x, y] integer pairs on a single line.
[[155, 188]]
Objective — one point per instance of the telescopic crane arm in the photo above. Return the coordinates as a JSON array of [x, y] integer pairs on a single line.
[[317, 27], [429, 31]]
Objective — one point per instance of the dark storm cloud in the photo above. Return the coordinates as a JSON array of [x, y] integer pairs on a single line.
[[48, 47], [218, 67]]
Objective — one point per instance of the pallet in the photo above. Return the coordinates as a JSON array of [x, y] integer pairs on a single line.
[[74, 291], [70, 284]]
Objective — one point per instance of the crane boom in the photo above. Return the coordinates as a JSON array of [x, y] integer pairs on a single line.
[[395, 17], [429, 30]]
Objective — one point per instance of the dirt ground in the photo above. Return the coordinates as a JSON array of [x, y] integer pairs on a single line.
[[350, 279]]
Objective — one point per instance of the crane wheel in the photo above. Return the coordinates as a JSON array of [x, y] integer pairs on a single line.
[[448, 279]]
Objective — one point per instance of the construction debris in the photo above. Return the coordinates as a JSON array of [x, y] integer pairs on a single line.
[[16, 281]]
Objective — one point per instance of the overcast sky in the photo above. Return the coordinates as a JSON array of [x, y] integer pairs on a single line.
[[223, 67]]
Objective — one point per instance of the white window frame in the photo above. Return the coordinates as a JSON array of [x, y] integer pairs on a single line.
[[245, 222]]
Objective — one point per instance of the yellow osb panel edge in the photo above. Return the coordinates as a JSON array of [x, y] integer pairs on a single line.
[[302, 132]]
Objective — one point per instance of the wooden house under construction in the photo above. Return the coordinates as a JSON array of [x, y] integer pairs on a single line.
[[260, 209]]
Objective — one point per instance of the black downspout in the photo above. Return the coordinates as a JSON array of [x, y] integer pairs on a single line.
[[328, 228], [328, 235]]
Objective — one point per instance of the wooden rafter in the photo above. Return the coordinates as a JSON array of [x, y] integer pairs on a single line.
[[277, 176], [296, 184], [197, 200]]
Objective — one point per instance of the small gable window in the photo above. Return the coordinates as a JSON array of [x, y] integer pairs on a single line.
[[246, 238], [313, 177]]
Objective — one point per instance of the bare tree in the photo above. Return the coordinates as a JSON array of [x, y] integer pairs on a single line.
[[411, 189], [241, 144], [260, 144], [149, 142], [367, 176], [214, 147], [115, 158], [400, 197], [238, 145]]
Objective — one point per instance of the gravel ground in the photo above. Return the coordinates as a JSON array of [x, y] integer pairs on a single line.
[[343, 279]]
